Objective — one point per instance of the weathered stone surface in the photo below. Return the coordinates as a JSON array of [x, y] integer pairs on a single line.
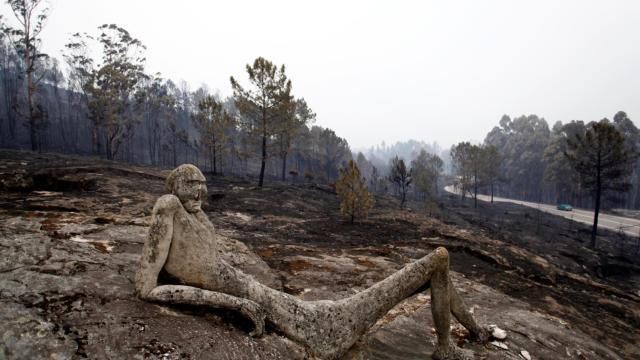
[[545, 336], [25, 335]]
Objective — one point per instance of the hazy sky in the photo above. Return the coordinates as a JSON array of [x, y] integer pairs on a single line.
[[440, 71]]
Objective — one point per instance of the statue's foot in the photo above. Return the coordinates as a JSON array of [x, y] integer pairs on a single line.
[[451, 352], [482, 335], [256, 314]]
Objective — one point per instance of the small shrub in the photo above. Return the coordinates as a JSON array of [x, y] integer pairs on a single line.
[[355, 200], [432, 208]]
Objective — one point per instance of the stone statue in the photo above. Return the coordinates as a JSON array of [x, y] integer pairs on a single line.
[[182, 242]]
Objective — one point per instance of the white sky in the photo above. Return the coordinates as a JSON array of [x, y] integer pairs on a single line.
[[440, 71]]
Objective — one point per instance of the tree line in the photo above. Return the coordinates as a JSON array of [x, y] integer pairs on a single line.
[[592, 165], [102, 102], [536, 163], [475, 167], [420, 181]]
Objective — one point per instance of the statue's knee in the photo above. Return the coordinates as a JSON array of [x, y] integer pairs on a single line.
[[441, 255]]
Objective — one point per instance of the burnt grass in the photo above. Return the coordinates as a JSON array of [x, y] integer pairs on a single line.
[[563, 243], [538, 258]]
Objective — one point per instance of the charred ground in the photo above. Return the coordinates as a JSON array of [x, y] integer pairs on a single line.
[[72, 229]]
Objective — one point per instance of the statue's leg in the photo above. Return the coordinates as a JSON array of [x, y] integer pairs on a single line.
[[371, 304], [307, 322], [462, 314], [441, 308], [329, 328]]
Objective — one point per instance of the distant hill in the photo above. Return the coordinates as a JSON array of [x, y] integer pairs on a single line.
[[380, 155]]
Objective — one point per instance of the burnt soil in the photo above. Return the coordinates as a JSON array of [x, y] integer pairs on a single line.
[[534, 257], [527, 254]]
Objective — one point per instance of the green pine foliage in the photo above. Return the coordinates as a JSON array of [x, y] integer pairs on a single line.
[[355, 200], [604, 161], [263, 104]]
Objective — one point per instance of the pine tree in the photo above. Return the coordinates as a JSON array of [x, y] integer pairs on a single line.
[[401, 177], [263, 104], [355, 200], [604, 163]]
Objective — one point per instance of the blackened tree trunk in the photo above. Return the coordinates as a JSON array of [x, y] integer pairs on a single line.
[[264, 147], [475, 191], [108, 148], [596, 211], [284, 166], [174, 151], [33, 126], [215, 161], [29, 68]]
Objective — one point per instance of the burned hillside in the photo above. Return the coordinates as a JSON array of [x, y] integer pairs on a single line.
[[72, 229]]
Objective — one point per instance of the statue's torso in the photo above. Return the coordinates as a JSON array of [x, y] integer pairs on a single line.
[[193, 255]]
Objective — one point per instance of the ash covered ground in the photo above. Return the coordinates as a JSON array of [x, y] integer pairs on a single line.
[[72, 228]]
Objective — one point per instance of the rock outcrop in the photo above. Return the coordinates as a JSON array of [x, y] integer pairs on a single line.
[[68, 255]]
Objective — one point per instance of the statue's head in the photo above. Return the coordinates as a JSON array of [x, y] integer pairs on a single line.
[[189, 185]]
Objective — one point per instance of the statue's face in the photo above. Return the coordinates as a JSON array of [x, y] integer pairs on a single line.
[[191, 189]]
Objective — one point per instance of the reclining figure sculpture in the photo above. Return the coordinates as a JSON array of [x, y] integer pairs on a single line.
[[182, 242]]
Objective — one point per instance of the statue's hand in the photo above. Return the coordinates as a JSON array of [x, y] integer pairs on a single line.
[[255, 313], [143, 290]]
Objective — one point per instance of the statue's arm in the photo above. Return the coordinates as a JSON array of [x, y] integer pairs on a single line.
[[180, 294], [157, 245], [154, 255]]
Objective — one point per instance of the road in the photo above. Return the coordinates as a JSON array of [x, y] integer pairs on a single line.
[[629, 226]]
